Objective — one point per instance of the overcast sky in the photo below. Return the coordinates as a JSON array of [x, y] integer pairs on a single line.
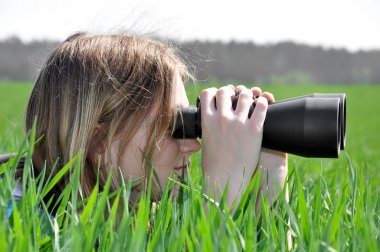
[[352, 24]]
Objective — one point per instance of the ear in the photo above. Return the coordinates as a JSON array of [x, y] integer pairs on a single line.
[[98, 128], [96, 145]]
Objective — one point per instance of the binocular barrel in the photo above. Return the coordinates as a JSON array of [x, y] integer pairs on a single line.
[[313, 125]]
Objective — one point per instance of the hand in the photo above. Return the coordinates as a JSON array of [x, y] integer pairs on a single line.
[[231, 142], [273, 166]]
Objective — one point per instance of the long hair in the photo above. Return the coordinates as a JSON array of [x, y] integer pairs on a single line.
[[113, 80]]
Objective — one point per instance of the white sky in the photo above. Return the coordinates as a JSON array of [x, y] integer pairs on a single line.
[[352, 24]]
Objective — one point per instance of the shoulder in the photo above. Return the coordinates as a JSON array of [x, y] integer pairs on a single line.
[[4, 158], [17, 192]]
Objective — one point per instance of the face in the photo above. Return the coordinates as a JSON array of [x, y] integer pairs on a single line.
[[171, 157]]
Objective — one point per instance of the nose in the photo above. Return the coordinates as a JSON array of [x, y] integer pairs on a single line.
[[189, 145]]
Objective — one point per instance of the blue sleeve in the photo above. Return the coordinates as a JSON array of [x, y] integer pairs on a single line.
[[10, 208]]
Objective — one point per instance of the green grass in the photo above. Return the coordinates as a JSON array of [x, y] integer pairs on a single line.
[[363, 124], [334, 204], [13, 99]]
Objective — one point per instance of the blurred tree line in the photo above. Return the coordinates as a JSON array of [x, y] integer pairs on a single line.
[[280, 63]]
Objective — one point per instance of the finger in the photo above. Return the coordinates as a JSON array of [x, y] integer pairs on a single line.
[[208, 100], [256, 91], [259, 113], [231, 86], [223, 99], [269, 97], [240, 88], [245, 101]]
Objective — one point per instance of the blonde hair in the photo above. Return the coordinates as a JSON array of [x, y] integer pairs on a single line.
[[113, 80]]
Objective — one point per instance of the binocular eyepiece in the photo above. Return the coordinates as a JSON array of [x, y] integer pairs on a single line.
[[313, 125]]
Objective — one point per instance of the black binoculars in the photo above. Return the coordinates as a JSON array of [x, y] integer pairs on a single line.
[[313, 125]]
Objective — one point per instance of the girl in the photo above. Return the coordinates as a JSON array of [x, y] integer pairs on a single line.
[[114, 97]]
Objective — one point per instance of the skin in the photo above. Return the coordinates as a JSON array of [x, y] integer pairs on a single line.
[[170, 158], [224, 130]]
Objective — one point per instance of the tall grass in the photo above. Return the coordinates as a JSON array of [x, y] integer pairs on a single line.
[[333, 205], [334, 214]]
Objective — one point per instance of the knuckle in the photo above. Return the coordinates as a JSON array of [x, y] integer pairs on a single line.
[[220, 91], [208, 92], [245, 95], [256, 89], [241, 87], [241, 121], [256, 129], [262, 104], [226, 90], [227, 87], [269, 94]]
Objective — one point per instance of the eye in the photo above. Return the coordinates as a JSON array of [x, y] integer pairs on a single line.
[[171, 127], [172, 124]]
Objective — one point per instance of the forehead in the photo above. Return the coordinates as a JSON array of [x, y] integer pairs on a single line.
[[180, 93]]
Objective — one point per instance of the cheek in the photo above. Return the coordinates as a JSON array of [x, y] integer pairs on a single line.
[[130, 162], [167, 155], [131, 158], [166, 159]]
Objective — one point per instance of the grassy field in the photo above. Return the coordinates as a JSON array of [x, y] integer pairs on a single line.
[[363, 124], [334, 203]]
